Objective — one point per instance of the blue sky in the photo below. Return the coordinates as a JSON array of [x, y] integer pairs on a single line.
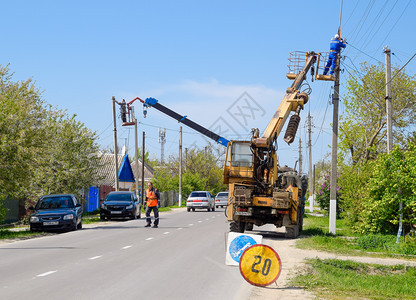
[[199, 58]]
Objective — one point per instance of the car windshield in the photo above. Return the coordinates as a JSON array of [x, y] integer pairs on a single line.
[[55, 202], [198, 194], [118, 197], [222, 195]]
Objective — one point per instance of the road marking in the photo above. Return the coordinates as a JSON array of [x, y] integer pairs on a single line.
[[180, 228], [148, 239], [126, 247], [207, 219], [199, 221], [95, 257], [46, 273], [167, 232], [191, 224]]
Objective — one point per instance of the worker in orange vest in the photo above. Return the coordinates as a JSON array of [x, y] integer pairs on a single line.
[[152, 203]]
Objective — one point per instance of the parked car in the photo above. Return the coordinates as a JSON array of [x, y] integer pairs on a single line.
[[200, 200], [221, 199], [120, 205], [56, 212]]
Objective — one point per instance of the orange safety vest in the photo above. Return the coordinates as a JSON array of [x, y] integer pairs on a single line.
[[151, 198]]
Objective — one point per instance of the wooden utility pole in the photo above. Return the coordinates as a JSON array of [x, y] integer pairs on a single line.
[[115, 144], [180, 167], [334, 172]]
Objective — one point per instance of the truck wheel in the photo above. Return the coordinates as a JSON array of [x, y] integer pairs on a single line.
[[292, 232], [249, 226], [237, 226]]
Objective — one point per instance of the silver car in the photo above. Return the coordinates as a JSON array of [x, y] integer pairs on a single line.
[[221, 199], [200, 200]]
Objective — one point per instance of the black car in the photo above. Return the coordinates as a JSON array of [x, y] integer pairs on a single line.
[[120, 205], [56, 212]]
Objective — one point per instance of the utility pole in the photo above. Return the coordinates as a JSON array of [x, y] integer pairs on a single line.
[[334, 172], [136, 159], [115, 144], [180, 167], [300, 157], [387, 51], [186, 158], [143, 152], [389, 111], [162, 141], [310, 173]]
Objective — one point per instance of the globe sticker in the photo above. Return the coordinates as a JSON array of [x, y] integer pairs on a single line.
[[260, 265], [237, 243]]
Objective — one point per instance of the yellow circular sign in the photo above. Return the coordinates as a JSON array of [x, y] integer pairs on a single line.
[[260, 265]]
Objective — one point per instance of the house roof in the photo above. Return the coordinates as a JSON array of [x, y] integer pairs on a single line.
[[107, 171]]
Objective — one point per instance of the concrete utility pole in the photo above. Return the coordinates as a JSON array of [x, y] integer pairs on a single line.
[[162, 141], [115, 144], [387, 51], [180, 167], [389, 112], [310, 173], [300, 157], [143, 152], [334, 172], [136, 159]]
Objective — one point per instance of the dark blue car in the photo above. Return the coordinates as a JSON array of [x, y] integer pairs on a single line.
[[56, 212], [120, 205]]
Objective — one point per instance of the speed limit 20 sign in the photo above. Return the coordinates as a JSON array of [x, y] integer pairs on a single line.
[[260, 265]]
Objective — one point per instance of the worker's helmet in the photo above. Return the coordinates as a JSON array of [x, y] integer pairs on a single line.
[[337, 36]]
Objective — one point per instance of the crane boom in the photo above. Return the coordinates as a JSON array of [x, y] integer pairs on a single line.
[[152, 102]]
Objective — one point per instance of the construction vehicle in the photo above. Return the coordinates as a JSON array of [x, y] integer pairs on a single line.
[[260, 191]]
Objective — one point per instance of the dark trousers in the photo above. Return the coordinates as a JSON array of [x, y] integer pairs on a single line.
[[155, 212]]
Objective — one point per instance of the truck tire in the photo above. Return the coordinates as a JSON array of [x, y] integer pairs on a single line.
[[237, 226], [249, 226]]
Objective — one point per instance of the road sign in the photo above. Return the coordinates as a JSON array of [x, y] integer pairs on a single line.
[[260, 265], [237, 243]]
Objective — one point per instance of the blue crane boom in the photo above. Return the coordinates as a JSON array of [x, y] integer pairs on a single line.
[[152, 102]]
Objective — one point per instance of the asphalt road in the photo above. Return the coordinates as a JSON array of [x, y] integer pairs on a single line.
[[182, 259]]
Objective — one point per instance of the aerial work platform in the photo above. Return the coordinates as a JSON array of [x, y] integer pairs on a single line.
[[297, 60]]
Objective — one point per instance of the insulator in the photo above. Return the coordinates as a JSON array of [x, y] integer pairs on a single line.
[[292, 128]]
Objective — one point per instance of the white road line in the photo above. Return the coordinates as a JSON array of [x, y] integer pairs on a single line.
[[167, 232], [126, 247], [191, 224], [148, 239], [199, 221], [95, 257], [207, 219], [180, 228], [46, 273]]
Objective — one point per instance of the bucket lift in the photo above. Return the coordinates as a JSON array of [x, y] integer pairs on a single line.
[[297, 60], [131, 120]]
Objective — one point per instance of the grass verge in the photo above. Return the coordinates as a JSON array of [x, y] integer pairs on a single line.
[[337, 279], [348, 242]]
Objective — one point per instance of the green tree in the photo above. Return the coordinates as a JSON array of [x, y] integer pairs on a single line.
[[42, 150], [391, 182], [363, 125], [201, 171]]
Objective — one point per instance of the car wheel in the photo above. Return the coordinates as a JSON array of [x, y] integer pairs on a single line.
[[208, 209], [108, 218], [213, 208], [79, 225], [102, 217], [75, 227], [188, 209]]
